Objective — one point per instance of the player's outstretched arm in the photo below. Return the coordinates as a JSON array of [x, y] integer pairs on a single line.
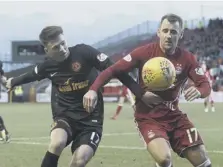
[[25, 78], [2, 73], [120, 70], [202, 87], [102, 63]]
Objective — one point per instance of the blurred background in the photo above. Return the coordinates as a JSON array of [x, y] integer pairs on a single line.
[[115, 28]]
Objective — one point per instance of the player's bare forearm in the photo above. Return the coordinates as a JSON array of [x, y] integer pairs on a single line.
[[24, 79], [205, 89]]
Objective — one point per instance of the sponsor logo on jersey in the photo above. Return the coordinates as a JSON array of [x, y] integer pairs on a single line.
[[73, 86], [128, 58]]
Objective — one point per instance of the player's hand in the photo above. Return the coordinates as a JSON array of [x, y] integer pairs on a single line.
[[151, 99], [9, 84], [192, 93], [90, 100]]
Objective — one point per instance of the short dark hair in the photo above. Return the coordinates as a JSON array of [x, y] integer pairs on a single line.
[[172, 18], [49, 33]]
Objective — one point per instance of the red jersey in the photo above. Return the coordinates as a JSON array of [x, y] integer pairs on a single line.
[[185, 64]]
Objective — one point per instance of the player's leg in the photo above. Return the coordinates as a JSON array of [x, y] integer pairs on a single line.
[[212, 103], [187, 142], [4, 132], [119, 107], [60, 137], [197, 156], [157, 141], [206, 101], [212, 106], [88, 136], [85, 146], [82, 156]]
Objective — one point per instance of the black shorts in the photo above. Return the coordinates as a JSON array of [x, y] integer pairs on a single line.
[[84, 131]]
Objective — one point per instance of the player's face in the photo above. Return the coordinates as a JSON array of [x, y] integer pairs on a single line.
[[169, 34], [57, 49]]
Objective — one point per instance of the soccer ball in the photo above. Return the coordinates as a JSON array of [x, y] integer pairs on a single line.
[[158, 74]]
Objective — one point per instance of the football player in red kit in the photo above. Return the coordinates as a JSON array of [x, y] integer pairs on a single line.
[[164, 124], [208, 100], [125, 93]]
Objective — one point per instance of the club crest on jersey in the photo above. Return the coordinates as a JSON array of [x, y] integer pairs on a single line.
[[102, 57], [178, 69], [76, 66], [128, 58], [151, 134], [199, 71]]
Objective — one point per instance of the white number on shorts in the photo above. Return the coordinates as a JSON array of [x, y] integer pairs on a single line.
[[170, 105], [95, 137], [189, 132]]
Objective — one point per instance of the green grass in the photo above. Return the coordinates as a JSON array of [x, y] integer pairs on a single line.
[[29, 125]]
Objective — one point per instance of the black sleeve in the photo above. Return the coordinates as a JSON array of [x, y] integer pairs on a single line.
[[1, 68], [101, 61], [2, 72], [37, 73], [97, 59]]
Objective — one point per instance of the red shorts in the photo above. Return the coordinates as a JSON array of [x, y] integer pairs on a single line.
[[180, 133]]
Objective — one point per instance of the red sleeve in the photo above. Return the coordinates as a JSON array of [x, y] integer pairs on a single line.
[[197, 75], [124, 65]]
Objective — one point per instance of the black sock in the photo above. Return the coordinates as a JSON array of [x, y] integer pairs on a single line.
[[2, 125], [1, 120], [50, 160]]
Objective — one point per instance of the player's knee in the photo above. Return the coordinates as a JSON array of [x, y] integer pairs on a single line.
[[78, 162], [197, 155], [82, 156], [59, 138], [57, 145], [160, 151], [164, 160]]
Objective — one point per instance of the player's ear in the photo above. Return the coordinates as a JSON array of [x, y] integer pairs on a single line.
[[182, 34], [158, 32]]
